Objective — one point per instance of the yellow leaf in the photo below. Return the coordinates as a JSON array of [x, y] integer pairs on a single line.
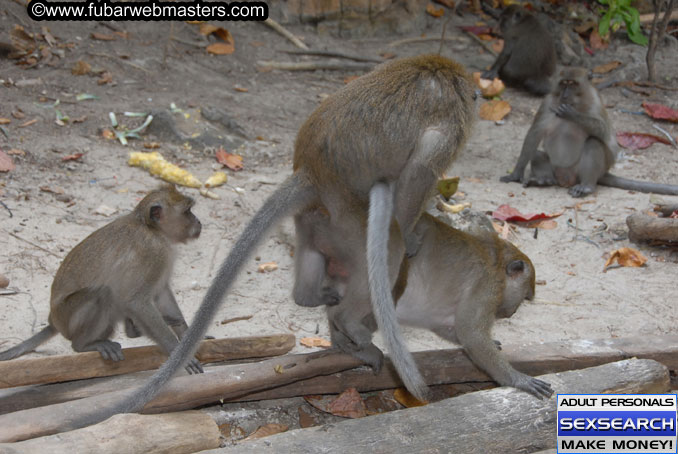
[[267, 267], [315, 342], [433, 11], [406, 399], [267, 430], [626, 256]]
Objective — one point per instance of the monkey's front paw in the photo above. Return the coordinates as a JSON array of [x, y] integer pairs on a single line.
[[497, 344], [538, 388], [330, 296], [510, 178], [565, 111], [110, 350], [580, 190], [541, 181], [194, 367]]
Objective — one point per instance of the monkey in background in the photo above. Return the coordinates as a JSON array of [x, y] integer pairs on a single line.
[[578, 142], [528, 58], [383, 140], [456, 286], [121, 272]]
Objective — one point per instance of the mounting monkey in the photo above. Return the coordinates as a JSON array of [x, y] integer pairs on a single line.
[[528, 58], [455, 286], [578, 142], [383, 139], [121, 272]]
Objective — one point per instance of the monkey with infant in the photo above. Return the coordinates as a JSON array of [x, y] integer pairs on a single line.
[[121, 272]]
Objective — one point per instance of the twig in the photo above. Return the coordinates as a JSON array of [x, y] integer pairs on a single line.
[[11, 215], [119, 60], [109, 25], [481, 42], [645, 83], [442, 34], [400, 42], [165, 49], [284, 32], [314, 65], [235, 319], [31, 243], [666, 133], [328, 53]]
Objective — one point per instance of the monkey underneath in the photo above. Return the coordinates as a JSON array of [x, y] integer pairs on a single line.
[[121, 272], [528, 58], [455, 286], [383, 139], [578, 142]]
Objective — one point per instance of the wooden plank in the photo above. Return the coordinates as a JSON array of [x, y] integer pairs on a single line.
[[171, 433], [501, 420], [180, 393], [439, 367], [51, 369]]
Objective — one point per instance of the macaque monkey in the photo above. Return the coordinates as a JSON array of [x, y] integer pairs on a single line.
[[578, 142], [528, 58], [383, 140], [456, 286], [121, 272]]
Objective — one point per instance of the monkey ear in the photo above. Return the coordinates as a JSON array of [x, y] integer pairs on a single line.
[[515, 268], [155, 212]]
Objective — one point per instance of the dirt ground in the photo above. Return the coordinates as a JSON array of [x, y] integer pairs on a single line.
[[575, 300]]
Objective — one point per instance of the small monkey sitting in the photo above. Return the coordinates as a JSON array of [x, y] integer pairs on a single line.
[[121, 272], [456, 286]]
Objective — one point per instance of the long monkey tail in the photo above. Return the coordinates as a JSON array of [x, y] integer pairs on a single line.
[[292, 196], [634, 185], [378, 228], [29, 344]]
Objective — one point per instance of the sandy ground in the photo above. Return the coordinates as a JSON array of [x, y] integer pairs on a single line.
[[576, 299]]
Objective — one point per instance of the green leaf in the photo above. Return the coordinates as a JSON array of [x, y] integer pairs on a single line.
[[604, 24], [638, 38]]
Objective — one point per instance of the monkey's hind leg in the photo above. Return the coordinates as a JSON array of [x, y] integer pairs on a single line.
[[131, 329], [354, 338], [91, 325], [541, 171], [590, 168], [538, 87]]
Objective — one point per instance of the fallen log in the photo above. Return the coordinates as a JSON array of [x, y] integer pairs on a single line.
[[498, 421], [171, 433], [51, 369], [643, 228], [439, 367], [179, 394]]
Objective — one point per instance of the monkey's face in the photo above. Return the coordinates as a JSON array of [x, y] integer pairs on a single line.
[[511, 16], [520, 281], [176, 220]]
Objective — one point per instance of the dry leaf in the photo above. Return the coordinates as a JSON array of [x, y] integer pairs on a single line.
[[5, 121], [448, 3], [639, 140], [494, 110], [607, 67], [106, 78], [207, 29], [596, 41], [625, 256], [22, 40], [151, 145], [4, 281], [28, 123], [315, 342], [107, 134], [6, 163], [16, 152], [18, 114], [348, 404], [102, 36], [306, 419], [232, 161], [433, 11], [509, 214], [220, 48], [240, 89], [267, 267], [406, 399], [660, 112], [267, 430], [81, 68], [72, 157]]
